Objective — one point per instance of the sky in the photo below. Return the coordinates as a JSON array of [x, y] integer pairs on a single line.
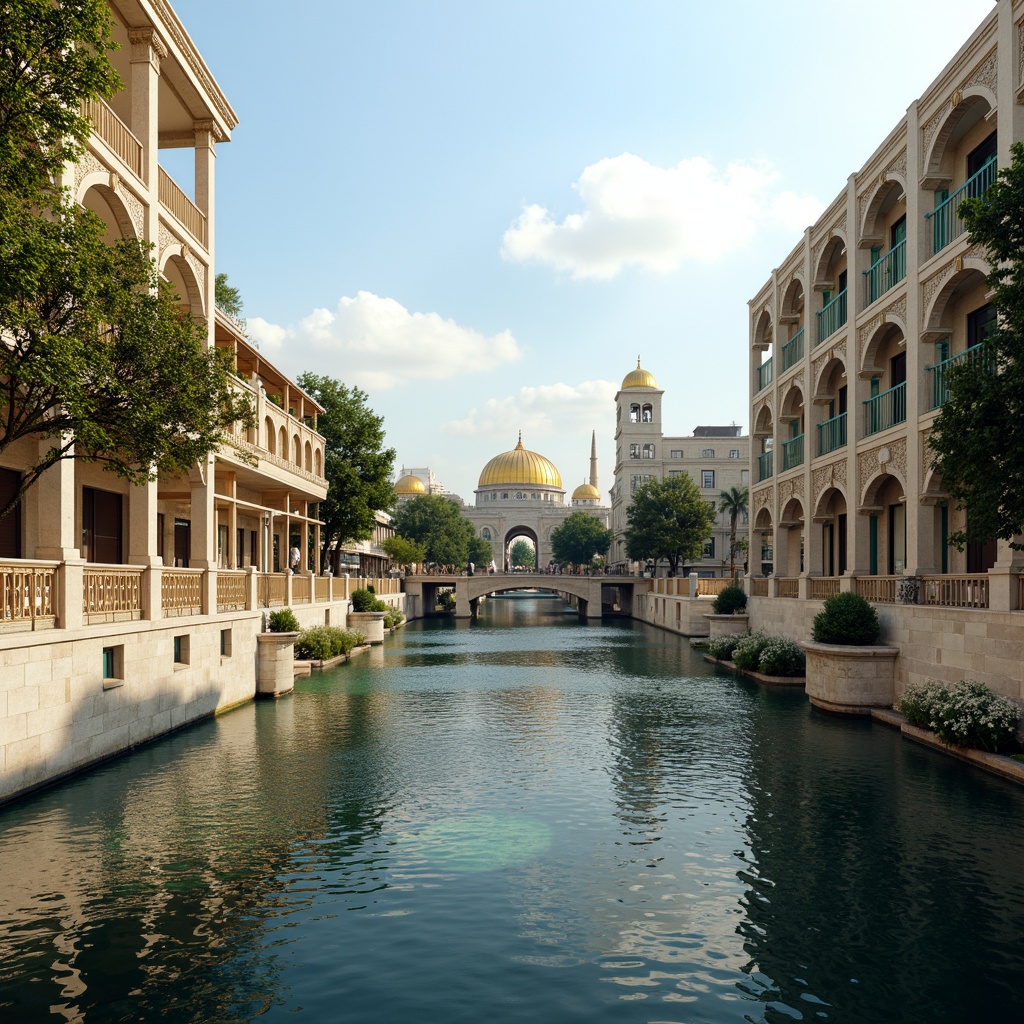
[[481, 213]]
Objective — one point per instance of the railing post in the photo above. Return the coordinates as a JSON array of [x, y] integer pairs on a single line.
[[693, 585], [252, 597], [152, 602], [1002, 588], [71, 594]]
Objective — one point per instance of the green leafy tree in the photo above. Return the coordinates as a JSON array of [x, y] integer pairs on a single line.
[[668, 519], [439, 525], [579, 538], [403, 551], [978, 436], [227, 298], [522, 555], [97, 358], [480, 552], [734, 501], [356, 464]]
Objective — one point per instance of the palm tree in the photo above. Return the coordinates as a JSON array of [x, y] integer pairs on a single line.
[[733, 501]]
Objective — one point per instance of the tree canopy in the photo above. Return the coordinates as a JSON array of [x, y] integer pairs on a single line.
[[668, 519], [734, 501], [403, 551], [522, 554], [227, 298], [579, 538], [98, 358], [356, 464], [479, 551], [438, 524], [978, 436]]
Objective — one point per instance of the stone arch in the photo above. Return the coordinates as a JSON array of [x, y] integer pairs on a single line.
[[176, 269], [884, 333], [282, 443], [307, 461], [271, 433], [881, 479], [764, 421], [763, 335], [823, 507], [763, 519], [822, 384], [887, 192], [792, 513], [95, 189], [977, 101], [966, 274], [513, 533], [793, 403], [829, 254], [297, 450], [318, 462], [794, 301]]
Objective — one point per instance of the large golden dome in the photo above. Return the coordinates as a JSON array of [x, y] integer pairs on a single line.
[[586, 492], [520, 468], [410, 484], [638, 378]]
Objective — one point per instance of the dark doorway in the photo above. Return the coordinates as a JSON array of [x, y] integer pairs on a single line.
[[10, 525], [102, 531], [182, 542]]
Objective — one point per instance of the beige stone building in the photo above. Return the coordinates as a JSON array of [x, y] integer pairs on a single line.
[[716, 458], [850, 341], [128, 611]]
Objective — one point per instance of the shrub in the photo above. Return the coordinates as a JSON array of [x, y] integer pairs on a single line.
[[782, 656], [283, 621], [730, 599], [363, 600], [351, 639], [919, 701], [723, 646], [846, 618], [393, 618], [315, 644], [973, 716], [747, 653]]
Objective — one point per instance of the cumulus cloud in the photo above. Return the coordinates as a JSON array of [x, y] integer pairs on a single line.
[[657, 218], [545, 411], [377, 343]]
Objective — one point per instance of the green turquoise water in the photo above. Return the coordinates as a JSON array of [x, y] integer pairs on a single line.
[[520, 820]]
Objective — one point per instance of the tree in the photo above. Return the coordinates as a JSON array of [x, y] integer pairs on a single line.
[[479, 551], [356, 464], [668, 519], [97, 357], [523, 555], [403, 551], [579, 538], [439, 525], [734, 501], [978, 436], [227, 298]]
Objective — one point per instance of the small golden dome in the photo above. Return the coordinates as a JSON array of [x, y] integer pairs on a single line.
[[410, 484], [638, 378], [520, 468], [586, 492]]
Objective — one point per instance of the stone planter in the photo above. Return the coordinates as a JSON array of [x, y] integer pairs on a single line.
[[727, 625], [370, 624], [275, 664], [850, 680]]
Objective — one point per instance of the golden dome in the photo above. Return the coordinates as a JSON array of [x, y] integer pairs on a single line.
[[520, 468], [586, 492], [410, 484], [638, 378]]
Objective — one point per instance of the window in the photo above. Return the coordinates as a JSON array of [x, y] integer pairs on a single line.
[[535, 497], [181, 650], [504, 495], [673, 473], [225, 643], [709, 548], [745, 477], [648, 451], [634, 413], [634, 451], [734, 453], [485, 533], [113, 667], [707, 478], [647, 414], [708, 453], [494, 495], [10, 525], [675, 454], [101, 526], [980, 324]]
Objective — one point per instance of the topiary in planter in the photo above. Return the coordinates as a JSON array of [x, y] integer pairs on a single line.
[[283, 621], [846, 619], [730, 600], [363, 600]]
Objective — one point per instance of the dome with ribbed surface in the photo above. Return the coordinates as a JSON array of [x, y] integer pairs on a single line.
[[586, 492], [410, 485], [520, 467], [639, 378]]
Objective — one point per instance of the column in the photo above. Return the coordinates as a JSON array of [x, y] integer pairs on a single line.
[[146, 53], [142, 545]]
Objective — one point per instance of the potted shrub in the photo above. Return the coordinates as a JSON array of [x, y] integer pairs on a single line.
[[848, 670], [275, 674], [728, 613], [367, 615]]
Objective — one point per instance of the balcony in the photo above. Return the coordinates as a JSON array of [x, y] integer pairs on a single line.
[[978, 356], [832, 434], [765, 466], [116, 134], [763, 375], [793, 453], [832, 316], [885, 410], [793, 350], [187, 214], [946, 223], [886, 272]]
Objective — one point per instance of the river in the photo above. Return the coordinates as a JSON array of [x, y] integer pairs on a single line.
[[519, 819]]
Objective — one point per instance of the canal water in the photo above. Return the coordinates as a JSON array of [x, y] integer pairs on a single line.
[[522, 819]]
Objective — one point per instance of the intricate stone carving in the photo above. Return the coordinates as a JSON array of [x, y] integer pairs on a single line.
[[930, 288], [89, 164], [1020, 52], [985, 73], [898, 456], [165, 239], [898, 165], [762, 498], [136, 210], [898, 308], [199, 269], [929, 128]]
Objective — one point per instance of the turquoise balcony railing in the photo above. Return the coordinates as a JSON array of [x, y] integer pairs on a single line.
[[886, 272], [793, 453], [946, 224], [886, 410], [793, 350], [832, 434], [763, 375], [765, 465], [832, 316], [980, 356]]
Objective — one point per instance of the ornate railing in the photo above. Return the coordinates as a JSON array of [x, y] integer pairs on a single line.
[[112, 594], [763, 375], [945, 218], [955, 591], [232, 590], [787, 587], [885, 410], [820, 587], [978, 355], [187, 214], [832, 316], [708, 587], [27, 595], [759, 586], [878, 589], [793, 350], [793, 453], [181, 592], [832, 434], [273, 590], [765, 465], [886, 272], [115, 133]]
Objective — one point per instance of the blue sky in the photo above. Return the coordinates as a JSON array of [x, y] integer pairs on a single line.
[[482, 212]]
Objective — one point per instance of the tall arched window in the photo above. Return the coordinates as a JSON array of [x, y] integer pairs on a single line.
[[634, 413], [648, 451], [647, 414], [485, 533]]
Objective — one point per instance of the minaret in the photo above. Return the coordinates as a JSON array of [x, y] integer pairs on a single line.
[[593, 460]]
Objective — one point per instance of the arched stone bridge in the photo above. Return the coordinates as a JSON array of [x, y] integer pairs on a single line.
[[592, 596]]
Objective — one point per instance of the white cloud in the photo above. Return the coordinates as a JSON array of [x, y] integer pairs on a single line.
[[377, 344], [549, 410], [636, 214]]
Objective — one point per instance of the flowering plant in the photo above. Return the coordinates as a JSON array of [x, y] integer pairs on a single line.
[[968, 715]]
